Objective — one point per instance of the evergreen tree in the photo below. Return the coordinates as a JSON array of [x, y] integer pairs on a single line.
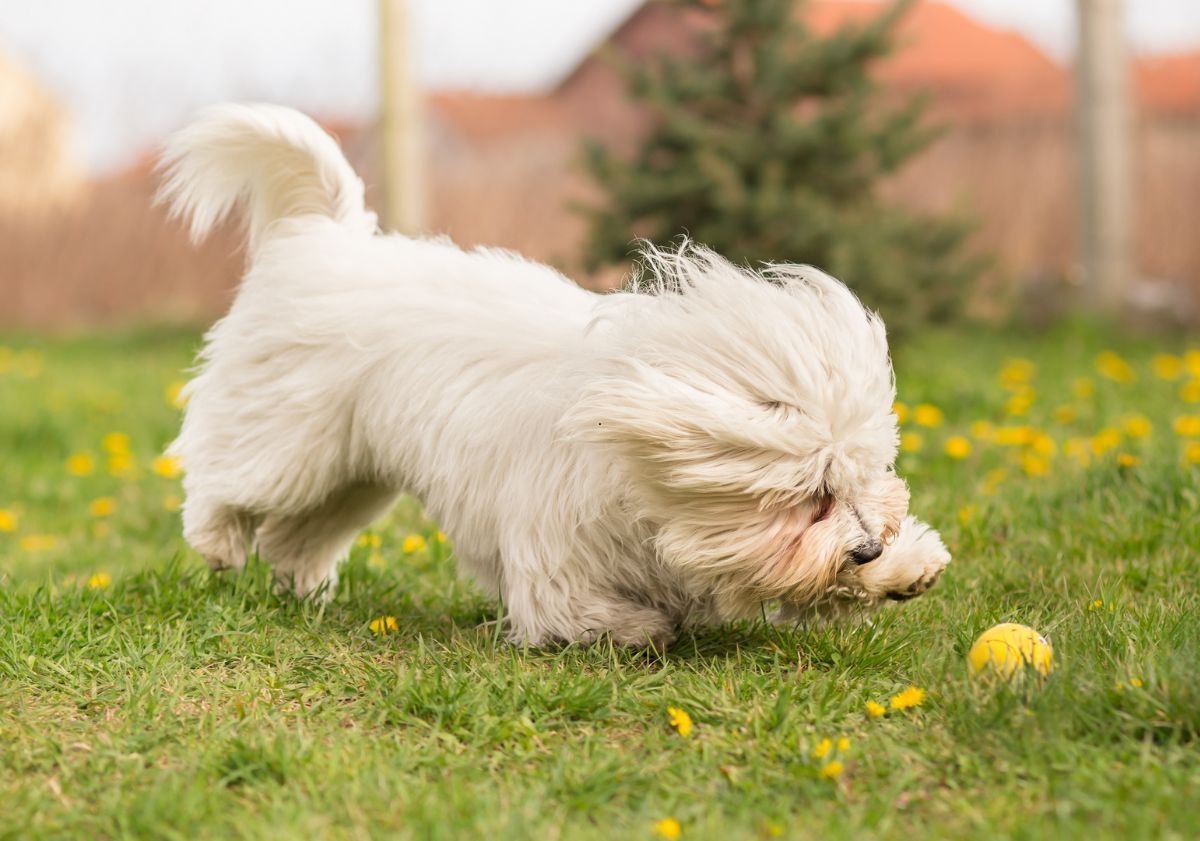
[[768, 144]]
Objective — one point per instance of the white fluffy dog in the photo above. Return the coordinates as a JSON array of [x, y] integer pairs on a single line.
[[629, 463]]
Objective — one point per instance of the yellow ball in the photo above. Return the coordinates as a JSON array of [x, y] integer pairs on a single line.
[[1006, 649]]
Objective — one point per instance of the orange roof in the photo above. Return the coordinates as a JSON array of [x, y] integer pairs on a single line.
[[973, 69], [1169, 83]]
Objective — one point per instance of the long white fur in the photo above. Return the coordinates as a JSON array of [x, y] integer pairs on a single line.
[[627, 463]]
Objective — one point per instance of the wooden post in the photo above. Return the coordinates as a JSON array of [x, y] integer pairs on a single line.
[[1105, 175], [400, 123]]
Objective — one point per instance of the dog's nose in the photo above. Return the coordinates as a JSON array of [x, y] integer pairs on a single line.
[[867, 552]]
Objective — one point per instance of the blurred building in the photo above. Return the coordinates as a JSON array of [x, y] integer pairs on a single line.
[[503, 170]]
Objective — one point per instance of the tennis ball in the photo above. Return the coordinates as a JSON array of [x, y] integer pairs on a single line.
[[1006, 649]]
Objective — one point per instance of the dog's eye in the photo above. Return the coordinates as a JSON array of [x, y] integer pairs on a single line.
[[824, 508]]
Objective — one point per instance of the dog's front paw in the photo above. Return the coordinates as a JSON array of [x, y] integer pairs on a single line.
[[908, 567]]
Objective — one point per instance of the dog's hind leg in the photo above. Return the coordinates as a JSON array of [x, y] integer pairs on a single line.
[[219, 532], [304, 549]]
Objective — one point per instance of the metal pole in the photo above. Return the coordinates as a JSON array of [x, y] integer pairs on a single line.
[[400, 137], [1106, 180]]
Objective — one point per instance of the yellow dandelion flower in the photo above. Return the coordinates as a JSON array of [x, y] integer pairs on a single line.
[[1016, 373], [982, 430], [832, 770], [38, 542], [1019, 404], [966, 513], [1190, 392], [911, 442], [823, 748], [1065, 414], [958, 447], [1095, 604], [1187, 426], [843, 744], [680, 721], [1191, 361], [1083, 388], [167, 466], [384, 625], [102, 507], [1014, 436], [413, 543], [1034, 465], [174, 394], [99, 581], [121, 465], [1135, 682], [1105, 440], [910, 697], [116, 443], [1127, 460], [926, 414], [8, 520], [1043, 445], [1166, 366], [81, 464], [901, 412], [875, 709], [1191, 453], [172, 503], [668, 828], [369, 539], [1113, 367], [440, 536], [1137, 426]]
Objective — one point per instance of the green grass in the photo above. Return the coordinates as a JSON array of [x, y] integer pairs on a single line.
[[176, 704]]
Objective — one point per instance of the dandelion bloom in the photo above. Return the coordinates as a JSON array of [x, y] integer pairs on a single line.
[[1083, 388], [121, 465], [1137, 426], [81, 464], [911, 697], [167, 466], [982, 430], [1034, 465], [926, 414], [1113, 367], [369, 539], [116, 443], [172, 503], [1187, 426], [99, 581], [832, 770], [1135, 682], [8, 520], [680, 721], [1014, 436], [1043, 445], [1016, 373], [1107, 439], [668, 828], [900, 410], [1191, 361], [1128, 460], [440, 537], [843, 744], [875, 709], [911, 442], [384, 625], [38, 542], [413, 543], [958, 447], [1191, 453], [1190, 392], [1166, 366], [823, 748], [102, 507], [965, 513], [1019, 404], [1064, 414]]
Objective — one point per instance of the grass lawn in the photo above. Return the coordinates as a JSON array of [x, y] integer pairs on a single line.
[[142, 696]]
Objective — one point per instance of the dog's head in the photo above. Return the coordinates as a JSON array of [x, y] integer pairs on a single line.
[[752, 415]]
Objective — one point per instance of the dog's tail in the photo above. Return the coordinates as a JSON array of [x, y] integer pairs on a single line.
[[274, 160]]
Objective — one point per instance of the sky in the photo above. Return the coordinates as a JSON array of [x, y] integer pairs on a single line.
[[130, 71]]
